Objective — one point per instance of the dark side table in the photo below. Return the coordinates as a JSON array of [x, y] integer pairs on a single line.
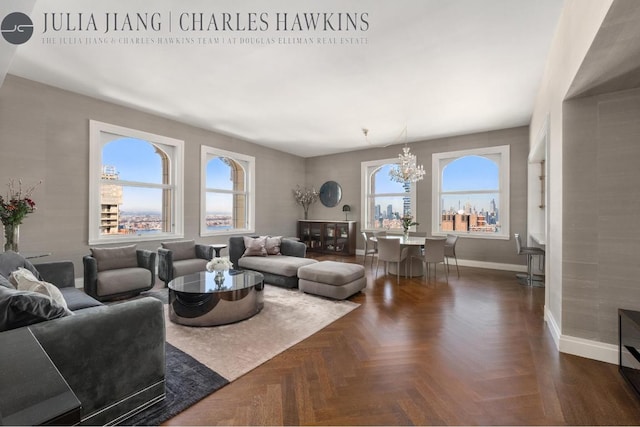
[[218, 247], [32, 391], [629, 347]]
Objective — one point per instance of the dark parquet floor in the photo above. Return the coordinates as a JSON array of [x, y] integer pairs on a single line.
[[473, 351]]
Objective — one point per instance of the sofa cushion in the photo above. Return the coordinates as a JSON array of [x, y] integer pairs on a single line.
[[185, 249], [273, 245], [255, 246], [24, 280], [189, 266], [281, 265], [113, 282], [113, 258], [23, 308], [77, 300]]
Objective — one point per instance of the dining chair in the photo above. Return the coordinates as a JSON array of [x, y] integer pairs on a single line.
[[389, 250], [450, 250], [370, 248], [422, 234], [434, 254]]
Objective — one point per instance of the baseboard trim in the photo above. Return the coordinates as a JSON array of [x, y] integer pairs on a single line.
[[582, 347], [553, 327], [590, 349], [481, 264]]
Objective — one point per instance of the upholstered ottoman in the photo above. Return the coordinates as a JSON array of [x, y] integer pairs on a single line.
[[338, 280]]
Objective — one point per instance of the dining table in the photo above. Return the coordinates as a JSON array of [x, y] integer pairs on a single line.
[[415, 257]]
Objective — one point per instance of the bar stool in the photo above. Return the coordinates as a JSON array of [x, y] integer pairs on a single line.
[[529, 279]]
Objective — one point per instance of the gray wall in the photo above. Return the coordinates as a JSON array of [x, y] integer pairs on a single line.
[[601, 198], [45, 133], [345, 169], [45, 136]]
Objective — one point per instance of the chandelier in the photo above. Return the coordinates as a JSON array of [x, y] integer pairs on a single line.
[[406, 170]]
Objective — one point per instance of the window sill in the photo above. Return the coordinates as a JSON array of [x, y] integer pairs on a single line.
[[488, 236], [135, 238], [231, 232]]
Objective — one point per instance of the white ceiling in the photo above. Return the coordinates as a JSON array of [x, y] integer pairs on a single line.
[[436, 67]]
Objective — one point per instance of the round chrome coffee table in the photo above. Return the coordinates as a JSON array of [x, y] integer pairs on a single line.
[[211, 299]]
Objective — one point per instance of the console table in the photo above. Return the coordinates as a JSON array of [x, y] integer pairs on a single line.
[[32, 391], [337, 237]]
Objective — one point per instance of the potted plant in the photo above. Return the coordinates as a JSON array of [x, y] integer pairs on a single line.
[[407, 222], [305, 197], [13, 210]]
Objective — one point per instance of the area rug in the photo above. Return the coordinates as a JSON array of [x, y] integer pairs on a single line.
[[186, 382], [288, 317]]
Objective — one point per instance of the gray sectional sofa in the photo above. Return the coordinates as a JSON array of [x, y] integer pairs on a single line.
[[112, 356], [280, 270]]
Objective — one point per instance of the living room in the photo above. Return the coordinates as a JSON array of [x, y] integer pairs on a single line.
[[589, 274]]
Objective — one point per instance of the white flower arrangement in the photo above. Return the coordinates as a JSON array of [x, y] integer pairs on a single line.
[[219, 264]]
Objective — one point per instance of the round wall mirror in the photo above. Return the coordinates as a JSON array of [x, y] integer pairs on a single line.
[[330, 194]]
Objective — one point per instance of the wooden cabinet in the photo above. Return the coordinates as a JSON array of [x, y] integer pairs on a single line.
[[338, 237]]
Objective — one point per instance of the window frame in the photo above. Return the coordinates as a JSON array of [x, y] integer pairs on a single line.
[[366, 170], [176, 182], [440, 160], [250, 185]]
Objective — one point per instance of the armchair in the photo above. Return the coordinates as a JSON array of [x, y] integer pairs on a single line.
[[181, 258], [111, 273]]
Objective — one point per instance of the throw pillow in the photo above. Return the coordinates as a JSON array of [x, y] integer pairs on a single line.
[[181, 250], [112, 258], [10, 261], [24, 280], [255, 246], [22, 308], [273, 245]]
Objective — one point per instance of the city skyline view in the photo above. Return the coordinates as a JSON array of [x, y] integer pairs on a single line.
[[136, 160], [466, 186], [470, 180], [131, 199]]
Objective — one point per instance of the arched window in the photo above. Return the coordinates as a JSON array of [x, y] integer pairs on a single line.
[[471, 192], [227, 196], [385, 201], [135, 187]]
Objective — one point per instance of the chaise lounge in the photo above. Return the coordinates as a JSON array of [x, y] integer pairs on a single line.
[[277, 258]]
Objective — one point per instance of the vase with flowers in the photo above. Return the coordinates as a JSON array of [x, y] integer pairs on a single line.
[[219, 265], [407, 222], [13, 210], [305, 197]]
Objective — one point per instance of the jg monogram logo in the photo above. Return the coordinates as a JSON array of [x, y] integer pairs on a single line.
[[17, 28]]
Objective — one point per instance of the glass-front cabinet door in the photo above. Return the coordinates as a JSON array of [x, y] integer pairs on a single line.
[[342, 238], [316, 236], [330, 237]]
